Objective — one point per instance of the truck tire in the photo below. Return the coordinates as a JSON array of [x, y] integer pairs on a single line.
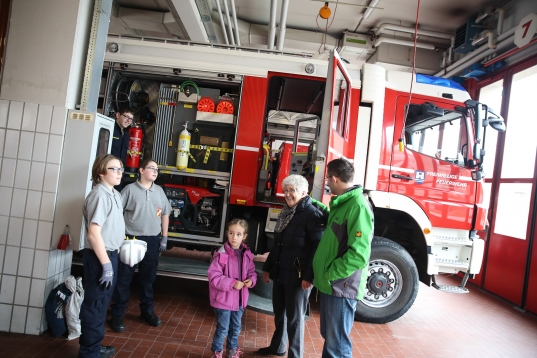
[[392, 283]]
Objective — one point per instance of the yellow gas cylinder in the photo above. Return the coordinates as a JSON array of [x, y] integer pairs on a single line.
[[183, 148]]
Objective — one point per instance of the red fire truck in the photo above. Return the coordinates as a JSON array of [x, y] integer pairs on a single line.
[[253, 118]]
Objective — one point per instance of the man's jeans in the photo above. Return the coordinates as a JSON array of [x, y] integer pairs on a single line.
[[228, 324], [337, 318]]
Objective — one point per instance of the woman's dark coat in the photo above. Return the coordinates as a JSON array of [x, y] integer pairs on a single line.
[[291, 257]]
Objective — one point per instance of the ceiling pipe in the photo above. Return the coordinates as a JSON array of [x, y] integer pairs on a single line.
[[369, 10], [382, 39], [228, 22], [382, 28], [283, 20], [488, 51], [478, 51], [272, 24], [501, 15], [235, 22], [222, 21]]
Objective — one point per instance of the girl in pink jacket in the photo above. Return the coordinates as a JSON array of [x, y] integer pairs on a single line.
[[231, 274]]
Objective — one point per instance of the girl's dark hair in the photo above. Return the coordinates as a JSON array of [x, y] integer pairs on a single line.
[[240, 222], [100, 166], [144, 163]]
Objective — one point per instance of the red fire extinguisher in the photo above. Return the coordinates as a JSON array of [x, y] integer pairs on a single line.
[[135, 150], [65, 239]]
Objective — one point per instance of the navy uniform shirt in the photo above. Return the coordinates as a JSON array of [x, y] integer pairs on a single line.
[[120, 143]]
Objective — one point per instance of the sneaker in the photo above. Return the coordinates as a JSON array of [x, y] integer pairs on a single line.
[[268, 352], [151, 318], [106, 351], [217, 355], [117, 324], [234, 353]]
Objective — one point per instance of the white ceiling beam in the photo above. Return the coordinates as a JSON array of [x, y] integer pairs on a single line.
[[190, 19]]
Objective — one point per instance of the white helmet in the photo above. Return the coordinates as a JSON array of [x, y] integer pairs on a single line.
[[132, 251]]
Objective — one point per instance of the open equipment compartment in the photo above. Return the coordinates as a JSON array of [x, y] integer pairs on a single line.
[[166, 101]]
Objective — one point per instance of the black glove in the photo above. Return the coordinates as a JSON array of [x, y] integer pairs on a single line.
[[107, 276], [163, 242]]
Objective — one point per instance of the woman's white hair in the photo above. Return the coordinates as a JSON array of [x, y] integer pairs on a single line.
[[297, 181]]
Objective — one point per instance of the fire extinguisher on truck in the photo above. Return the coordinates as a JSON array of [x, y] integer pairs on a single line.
[[419, 158]]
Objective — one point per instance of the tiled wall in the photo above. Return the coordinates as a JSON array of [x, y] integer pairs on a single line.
[[31, 141]]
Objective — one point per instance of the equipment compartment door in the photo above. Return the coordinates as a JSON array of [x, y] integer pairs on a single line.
[[333, 141], [431, 168]]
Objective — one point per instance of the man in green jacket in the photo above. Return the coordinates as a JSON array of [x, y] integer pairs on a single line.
[[340, 262]]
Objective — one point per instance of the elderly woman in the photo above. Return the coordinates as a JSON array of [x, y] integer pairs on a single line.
[[298, 231]]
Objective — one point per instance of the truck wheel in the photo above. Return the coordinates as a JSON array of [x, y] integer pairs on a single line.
[[392, 283]]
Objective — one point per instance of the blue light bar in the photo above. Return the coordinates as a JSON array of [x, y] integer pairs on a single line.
[[438, 81]]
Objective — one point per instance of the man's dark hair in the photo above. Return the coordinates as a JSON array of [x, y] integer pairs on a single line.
[[341, 168], [126, 109]]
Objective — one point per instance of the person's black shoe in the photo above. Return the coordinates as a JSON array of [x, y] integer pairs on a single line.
[[151, 318], [268, 352], [106, 351], [117, 324]]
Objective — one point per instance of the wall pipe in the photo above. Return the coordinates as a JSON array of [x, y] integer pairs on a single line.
[[234, 12], [283, 20], [382, 39], [488, 51], [272, 24], [222, 21], [477, 52], [229, 23]]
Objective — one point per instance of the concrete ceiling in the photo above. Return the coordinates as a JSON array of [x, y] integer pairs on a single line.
[[438, 15]]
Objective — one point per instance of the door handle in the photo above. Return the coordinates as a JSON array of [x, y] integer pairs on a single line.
[[401, 177]]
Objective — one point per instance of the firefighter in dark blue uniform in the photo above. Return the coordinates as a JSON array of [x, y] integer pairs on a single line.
[[120, 140]]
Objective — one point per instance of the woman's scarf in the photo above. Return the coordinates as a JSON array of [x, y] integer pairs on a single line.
[[286, 215]]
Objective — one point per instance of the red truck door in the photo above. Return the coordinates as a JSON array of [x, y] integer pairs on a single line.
[[432, 168], [334, 132]]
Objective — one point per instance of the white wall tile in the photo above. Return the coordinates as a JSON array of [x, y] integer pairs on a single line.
[[40, 264], [37, 293], [41, 146], [55, 144], [2, 251], [29, 117], [7, 177], [52, 259], [18, 202], [5, 203], [59, 116], [22, 291], [37, 174], [4, 109], [11, 143], [33, 203], [5, 317], [7, 290], [68, 260], [33, 322], [26, 145], [14, 233], [18, 319], [2, 140], [14, 117], [52, 173], [26, 262], [44, 117], [11, 260], [3, 231], [59, 260], [29, 233], [47, 206], [49, 286], [22, 174], [44, 235]]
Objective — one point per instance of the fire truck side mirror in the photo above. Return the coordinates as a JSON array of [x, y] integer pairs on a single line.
[[477, 175]]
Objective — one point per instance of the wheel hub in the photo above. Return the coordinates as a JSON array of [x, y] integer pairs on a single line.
[[384, 284]]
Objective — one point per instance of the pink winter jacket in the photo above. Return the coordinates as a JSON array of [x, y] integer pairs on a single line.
[[223, 273]]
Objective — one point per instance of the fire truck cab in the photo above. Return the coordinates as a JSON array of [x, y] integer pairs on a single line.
[[416, 142]]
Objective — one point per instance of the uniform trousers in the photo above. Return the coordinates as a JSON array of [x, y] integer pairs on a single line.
[[95, 304], [147, 273]]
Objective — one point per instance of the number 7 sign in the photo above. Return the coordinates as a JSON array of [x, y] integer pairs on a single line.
[[525, 30]]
